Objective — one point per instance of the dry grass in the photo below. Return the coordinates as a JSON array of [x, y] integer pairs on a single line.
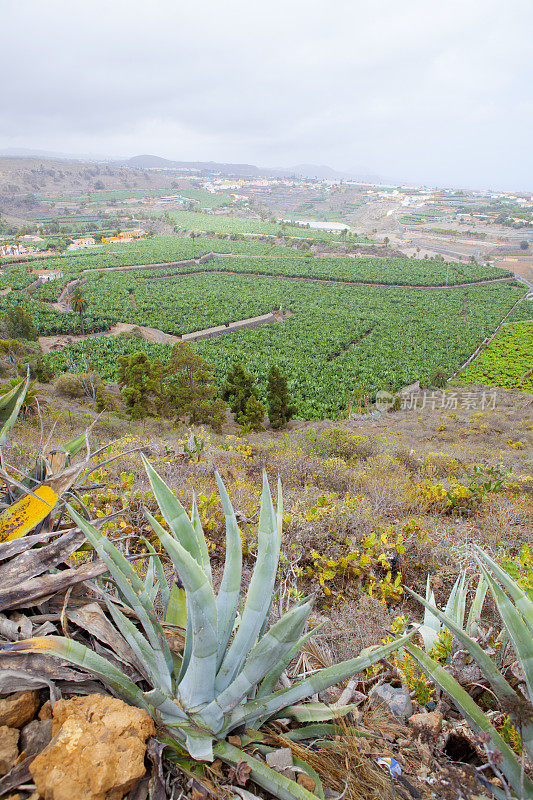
[[340, 483]]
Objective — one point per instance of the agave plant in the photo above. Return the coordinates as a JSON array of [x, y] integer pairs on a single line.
[[225, 679], [35, 541], [516, 612], [455, 609]]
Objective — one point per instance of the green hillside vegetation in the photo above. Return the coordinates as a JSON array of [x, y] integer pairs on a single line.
[[340, 339], [507, 361]]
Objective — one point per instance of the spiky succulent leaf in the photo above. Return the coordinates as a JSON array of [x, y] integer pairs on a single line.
[[256, 711], [477, 605], [82, 656], [259, 595], [474, 716], [197, 686], [317, 712], [135, 595], [279, 640], [230, 586], [502, 689], [275, 783], [521, 599], [176, 517], [10, 405], [516, 628]]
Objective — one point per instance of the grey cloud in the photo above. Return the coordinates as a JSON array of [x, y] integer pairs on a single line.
[[436, 92]]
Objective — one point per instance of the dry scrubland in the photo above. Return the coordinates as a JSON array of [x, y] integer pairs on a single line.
[[391, 491]]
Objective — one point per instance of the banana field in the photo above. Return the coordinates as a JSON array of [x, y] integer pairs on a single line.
[[340, 338], [507, 361]]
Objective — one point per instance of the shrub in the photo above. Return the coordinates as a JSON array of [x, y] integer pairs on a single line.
[[69, 385], [252, 417], [438, 379], [41, 370], [18, 324], [280, 408], [338, 443]]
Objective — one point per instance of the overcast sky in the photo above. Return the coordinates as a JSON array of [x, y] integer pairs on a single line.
[[433, 91]]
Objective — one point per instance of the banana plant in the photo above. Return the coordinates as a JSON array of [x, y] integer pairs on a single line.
[[516, 611], [225, 679]]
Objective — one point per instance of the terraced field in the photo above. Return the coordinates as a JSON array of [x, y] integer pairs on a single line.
[[357, 323], [339, 339], [507, 361]]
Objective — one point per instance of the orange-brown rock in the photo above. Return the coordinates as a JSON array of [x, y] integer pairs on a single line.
[[17, 709], [46, 711], [8, 748], [429, 724], [97, 752]]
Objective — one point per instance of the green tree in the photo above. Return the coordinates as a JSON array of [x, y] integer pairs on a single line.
[[18, 324], [141, 384], [79, 305], [190, 388], [280, 408], [252, 417], [238, 387]]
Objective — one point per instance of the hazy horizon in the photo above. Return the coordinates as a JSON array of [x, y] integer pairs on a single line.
[[434, 95]]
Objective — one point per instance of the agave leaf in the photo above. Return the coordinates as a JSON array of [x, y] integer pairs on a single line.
[[268, 684], [177, 519], [316, 712], [523, 603], [476, 607], [275, 783], [196, 687], [10, 405], [500, 686], [259, 595], [75, 445], [279, 640], [257, 711], [473, 715], [197, 525], [302, 765], [84, 657], [149, 580], [200, 745], [162, 578], [24, 515], [516, 628], [279, 513], [146, 656], [177, 608], [455, 607], [314, 731], [228, 593], [136, 596]]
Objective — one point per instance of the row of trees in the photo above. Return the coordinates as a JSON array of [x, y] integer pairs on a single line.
[[185, 386]]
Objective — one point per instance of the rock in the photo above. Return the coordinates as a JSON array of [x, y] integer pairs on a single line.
[[35, 736], [397, 701], [46, 711], [282, 761], [17, 709], [97, 751], [305, 781], [429, 723], [8, 748]]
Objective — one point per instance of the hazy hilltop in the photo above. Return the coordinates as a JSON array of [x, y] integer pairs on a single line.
[[46, 178]]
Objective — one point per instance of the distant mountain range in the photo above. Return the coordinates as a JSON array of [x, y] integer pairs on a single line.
[[312, 171], [321, 172]]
